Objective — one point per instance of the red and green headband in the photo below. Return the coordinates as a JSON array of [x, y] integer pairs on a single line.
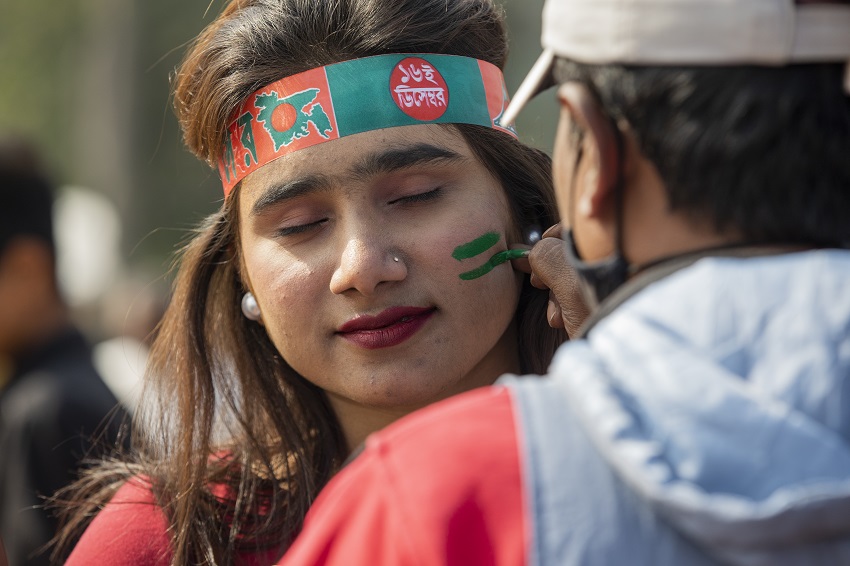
[[360, 95]]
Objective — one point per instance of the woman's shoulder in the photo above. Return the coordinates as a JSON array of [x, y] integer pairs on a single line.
[[442, 485], [131, 529]]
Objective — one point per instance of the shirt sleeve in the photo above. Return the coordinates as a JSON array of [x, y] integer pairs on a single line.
[[440, 487], [131, 530]]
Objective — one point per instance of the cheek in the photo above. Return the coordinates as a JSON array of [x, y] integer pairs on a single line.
[[483, 308], [563, 200], [484, 211], [563, 159], [285, 288], [498, 285], [461, 238]]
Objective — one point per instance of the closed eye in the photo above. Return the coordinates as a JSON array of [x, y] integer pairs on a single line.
[[300, 228], [419, 197]]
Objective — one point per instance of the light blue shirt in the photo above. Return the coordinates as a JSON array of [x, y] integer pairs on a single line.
[[705, 420]]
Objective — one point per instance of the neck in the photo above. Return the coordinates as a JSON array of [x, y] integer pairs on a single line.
[[652, 231], [359, 421], [673, 237]]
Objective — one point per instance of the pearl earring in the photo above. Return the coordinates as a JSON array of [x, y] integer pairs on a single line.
[[250, 308], [532, 235]]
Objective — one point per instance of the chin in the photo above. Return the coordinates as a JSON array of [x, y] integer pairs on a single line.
[[403, 394]]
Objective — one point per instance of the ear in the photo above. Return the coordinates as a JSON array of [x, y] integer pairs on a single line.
[[596, 179]]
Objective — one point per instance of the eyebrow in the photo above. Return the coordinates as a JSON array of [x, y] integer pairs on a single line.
[[387, 161], [397, 158], [289, 190]]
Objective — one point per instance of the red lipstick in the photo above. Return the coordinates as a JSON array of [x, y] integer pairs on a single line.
[[388, 328]]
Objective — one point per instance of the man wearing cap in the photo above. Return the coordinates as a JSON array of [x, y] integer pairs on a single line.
[[702, 165]]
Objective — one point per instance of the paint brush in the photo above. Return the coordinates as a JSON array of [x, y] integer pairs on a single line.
[[496, 259]]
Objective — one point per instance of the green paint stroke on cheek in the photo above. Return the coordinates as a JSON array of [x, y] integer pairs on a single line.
[[480, 245], [477, 246], [497, 259]]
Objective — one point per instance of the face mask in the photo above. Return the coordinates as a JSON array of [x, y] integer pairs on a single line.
[[598, 279]]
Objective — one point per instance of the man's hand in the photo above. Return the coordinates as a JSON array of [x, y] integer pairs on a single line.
[[547, 263]]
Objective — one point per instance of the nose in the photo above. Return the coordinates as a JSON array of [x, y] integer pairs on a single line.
[[366, 262]]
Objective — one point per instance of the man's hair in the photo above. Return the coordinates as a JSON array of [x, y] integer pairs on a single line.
[[26, 194], [763, 151]]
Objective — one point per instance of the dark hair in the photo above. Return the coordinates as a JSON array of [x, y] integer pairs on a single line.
[[762, 151], [281, 439], [26, 194]]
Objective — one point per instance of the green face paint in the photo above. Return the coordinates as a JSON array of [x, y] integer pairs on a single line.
[[479, 246]]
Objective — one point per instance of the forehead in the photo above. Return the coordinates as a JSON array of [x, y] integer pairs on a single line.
[[364, 155]]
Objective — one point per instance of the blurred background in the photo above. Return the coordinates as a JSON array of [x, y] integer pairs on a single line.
[[88, 82]]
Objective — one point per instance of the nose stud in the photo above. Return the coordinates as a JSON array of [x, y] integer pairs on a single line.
[[395, 259]]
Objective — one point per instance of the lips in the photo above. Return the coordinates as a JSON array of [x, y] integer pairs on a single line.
[[389, 328]]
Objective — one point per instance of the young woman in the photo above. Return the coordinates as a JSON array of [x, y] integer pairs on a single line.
[[358, 269]]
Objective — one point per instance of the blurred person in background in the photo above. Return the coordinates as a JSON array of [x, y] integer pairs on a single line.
[[54, 407], [357, 270], [130, 311], [702, 169]]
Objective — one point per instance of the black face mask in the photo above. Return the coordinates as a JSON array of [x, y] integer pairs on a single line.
[[598, 279]]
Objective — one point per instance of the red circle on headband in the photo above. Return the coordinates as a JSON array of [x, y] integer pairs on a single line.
[[283, 117], [419, 90]]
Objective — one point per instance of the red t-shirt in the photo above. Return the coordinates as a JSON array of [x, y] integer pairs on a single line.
[[440, 487], [131, 530], [388, 507]]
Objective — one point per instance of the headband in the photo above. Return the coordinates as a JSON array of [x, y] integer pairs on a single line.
[[360, 95]]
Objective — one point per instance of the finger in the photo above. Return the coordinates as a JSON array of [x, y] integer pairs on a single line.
[[553, 231], [554, 314], [549, 263], [551, 270], [521, 264]]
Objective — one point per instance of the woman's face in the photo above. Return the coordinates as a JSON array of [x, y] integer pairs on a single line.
[[347, 247]]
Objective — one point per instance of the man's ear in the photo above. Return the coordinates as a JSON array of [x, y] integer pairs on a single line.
[[594, 192]]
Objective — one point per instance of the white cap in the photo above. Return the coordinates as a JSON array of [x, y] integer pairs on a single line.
[[688, 33]]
